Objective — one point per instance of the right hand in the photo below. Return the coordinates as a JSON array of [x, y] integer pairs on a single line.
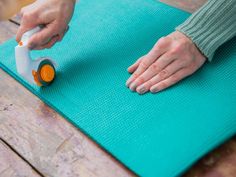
[[53, 14]]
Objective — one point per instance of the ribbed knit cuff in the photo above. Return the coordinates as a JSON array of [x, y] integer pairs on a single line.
[[211, 26]]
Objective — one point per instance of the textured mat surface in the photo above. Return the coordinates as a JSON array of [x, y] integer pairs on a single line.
[[154, 135]]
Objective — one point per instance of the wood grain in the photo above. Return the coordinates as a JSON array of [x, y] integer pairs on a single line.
[[219, 163], [48, 141], [56, 148], [7, 31], [11, 165], [187, 5]]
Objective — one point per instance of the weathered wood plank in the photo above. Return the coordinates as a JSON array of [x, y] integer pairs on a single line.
[[72, 152], [48, 141], [11, 165], [7, 31], [219, 163], [188, 5]]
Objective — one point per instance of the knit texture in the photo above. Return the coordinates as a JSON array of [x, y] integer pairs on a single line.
[[211, 26]]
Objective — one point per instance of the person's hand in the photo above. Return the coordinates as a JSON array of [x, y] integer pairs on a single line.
[[53, 14], [172, 58]]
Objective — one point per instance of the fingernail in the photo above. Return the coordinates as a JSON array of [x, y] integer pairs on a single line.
[[142, 90], [154, 90], [129, 69], [48, 40], [128, 81], [32, 46], [67, 29], [133, 86]]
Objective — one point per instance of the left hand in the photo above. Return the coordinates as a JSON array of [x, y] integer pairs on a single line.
[[172, 58]]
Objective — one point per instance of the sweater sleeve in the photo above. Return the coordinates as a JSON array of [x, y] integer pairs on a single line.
[[211, 26]]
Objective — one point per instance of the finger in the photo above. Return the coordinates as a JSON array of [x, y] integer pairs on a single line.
[[133, 67], [43, 37], [169, 70], [27, 23], [22, 29], [19, 34], [63, 33], [49, 44], [159, 49], [153, 70], [60, 37], [173, 79], [143, 65]]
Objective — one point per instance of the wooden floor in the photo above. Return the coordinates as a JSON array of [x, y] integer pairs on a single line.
[[37, 141]]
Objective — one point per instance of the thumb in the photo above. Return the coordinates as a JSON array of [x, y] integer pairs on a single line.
[[22, 29], [28, 22]]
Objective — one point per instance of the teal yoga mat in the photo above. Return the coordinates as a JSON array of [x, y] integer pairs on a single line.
[[157, 135]]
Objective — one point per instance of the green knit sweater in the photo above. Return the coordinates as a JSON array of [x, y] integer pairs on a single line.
[[211, 26]]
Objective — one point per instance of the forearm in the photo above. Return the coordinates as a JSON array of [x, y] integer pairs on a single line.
[[211, 26]]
